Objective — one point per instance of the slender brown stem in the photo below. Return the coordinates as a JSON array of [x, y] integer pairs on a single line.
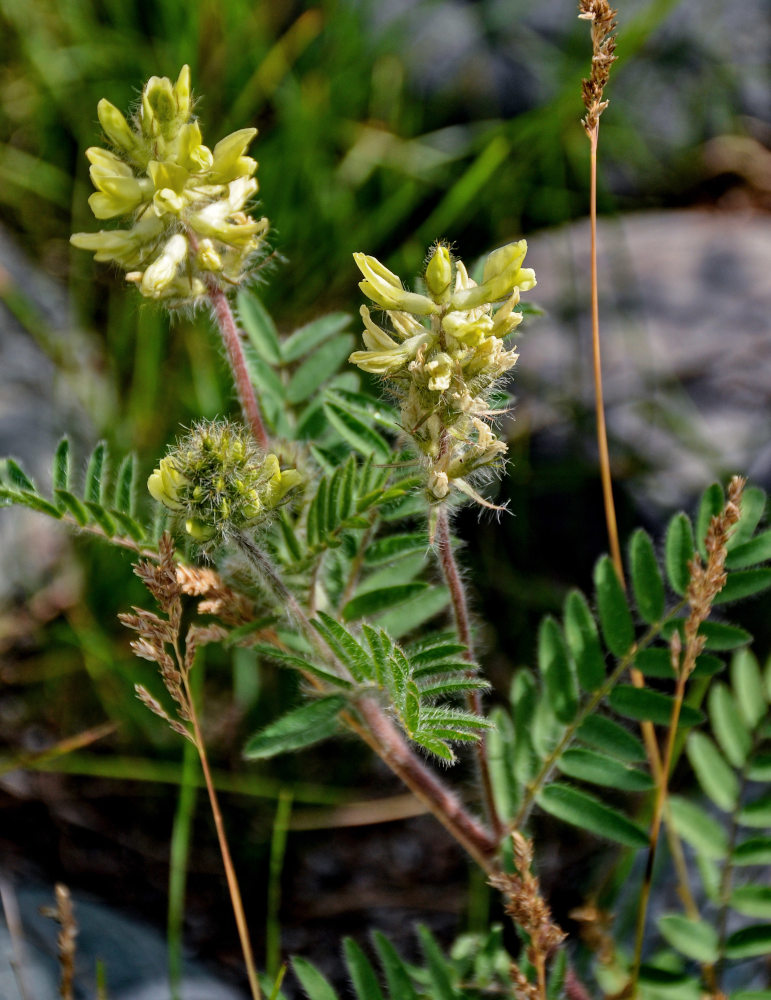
[[602, 434], [463, 626], [231, 338], [230, 873], [393, 749], [662, 783]]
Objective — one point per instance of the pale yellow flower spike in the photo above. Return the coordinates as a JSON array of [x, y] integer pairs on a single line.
[[173, 188]]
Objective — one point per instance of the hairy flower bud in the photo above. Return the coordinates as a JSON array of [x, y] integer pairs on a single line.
[[219, 480], [445, 355]]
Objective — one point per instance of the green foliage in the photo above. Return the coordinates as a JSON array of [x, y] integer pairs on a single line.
[[571, 717], [415, 681], [104, 504]]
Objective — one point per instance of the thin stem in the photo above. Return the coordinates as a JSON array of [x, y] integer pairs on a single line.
[[662, 782], [230, 873], [358, 561], [602, 434], [463, 626], [231, 338]]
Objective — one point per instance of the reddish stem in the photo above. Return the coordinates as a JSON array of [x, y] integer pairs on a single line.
[[231, 337]]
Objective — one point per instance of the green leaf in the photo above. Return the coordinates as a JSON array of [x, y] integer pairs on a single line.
[[35, 502], [344, 646], [643, 704], [384, 550], [747, 682], [729, 729], [60, 473], [290, 538], [751, 995], [750, 553], [749, 942], [606, 734], [368, 407], [357, 434], [73, 506], [678, 552], [721, 636], [647, 583], [655, 661], [16, 476], [523, 704], [757, 813], [102, 518], [500, 749], [123, 497], [264, 376], [615, 618], [373, 601], [127, 525], [664, 984], [692, 938], [583, 641], [742, 584], [259, 327], [556, 669], [406, 618], [313, 334], [317, 368], [362, 974], [588, 813], [717, 779], [760, 768], [93, 489], [752, 901], [397, 977], [302, 727], [311, 980], [698, 828], [599, 769], [753, 851], [712, 503], [438, 967]]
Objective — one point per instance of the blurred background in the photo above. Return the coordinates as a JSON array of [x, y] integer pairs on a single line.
[[382, 126]]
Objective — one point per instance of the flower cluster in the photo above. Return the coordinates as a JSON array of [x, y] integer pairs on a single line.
[[220, 481], [443, 354], [189, 229]]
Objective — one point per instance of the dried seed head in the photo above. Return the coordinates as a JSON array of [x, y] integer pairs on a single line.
[[603, 20]]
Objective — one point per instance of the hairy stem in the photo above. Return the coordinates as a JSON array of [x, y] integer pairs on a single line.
[[463, 626], [231, 338], [382, 736], [230, 872]]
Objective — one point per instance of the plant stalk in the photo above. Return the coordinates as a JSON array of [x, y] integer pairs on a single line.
[[463, 626], [230, 873], [231, 338], [602, 434]]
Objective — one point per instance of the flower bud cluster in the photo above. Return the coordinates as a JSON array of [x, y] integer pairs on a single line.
[[444, 352], [189, 228], [220, 481]]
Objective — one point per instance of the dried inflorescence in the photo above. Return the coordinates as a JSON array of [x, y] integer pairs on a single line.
[[64, 915], [219, 481], [190, 231], [161, 638], [442, 373], [706, 581], [603, 19], [530, 912]]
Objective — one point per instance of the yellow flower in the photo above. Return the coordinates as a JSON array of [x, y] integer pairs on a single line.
[[162, 175]]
